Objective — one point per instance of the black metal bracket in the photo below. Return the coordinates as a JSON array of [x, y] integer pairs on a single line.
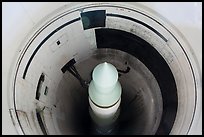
[[71, 68]]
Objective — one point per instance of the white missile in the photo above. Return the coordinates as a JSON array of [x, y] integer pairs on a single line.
[[105, 94]]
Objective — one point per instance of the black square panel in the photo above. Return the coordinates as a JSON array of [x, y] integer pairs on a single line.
[[92, 19]]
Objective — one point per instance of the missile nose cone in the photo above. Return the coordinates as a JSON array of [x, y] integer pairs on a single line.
[[105, 75], [105, 89]]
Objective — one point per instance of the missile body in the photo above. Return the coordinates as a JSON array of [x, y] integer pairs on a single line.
[[105, 96]]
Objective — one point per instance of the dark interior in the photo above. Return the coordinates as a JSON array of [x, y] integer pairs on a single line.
[[134, 109]]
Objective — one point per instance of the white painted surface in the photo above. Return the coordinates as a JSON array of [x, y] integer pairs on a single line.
[[104, 113], [187, 17]]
